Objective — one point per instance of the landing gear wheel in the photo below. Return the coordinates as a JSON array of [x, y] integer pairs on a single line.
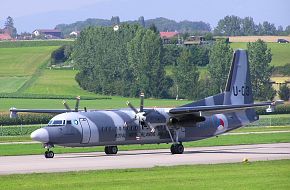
[[111, 149], [49, 154], [177, 148]]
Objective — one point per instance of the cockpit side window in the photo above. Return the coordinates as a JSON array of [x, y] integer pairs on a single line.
[[56, 122]]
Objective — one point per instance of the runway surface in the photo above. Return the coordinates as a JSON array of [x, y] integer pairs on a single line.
[[142, 158]]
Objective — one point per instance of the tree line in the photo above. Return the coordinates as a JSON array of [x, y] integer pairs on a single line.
[[162, 24], [236, 26], [133, 59]]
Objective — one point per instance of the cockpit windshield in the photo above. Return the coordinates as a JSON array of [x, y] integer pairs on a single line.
[[56, 122]]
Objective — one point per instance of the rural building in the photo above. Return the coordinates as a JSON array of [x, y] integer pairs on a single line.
[[168, 36], [194, 40], [48, 33], [74, 34], [5, 36]]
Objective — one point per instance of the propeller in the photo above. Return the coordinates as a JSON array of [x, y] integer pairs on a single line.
[[141, 115], [78, 98]]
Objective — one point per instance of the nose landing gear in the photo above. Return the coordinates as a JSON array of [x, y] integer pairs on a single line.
[[48, 153]]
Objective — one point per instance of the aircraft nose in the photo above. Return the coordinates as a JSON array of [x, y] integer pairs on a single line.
[[40, 135]]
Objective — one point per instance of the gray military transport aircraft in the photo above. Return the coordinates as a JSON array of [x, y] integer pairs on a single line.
[[206, 118]]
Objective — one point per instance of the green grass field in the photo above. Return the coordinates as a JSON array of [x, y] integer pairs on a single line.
[[57, 82], [18, 65], [114, 103], [255, 175], [281, 52]]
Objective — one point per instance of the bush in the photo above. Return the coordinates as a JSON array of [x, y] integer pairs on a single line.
[[17, 130], [25, 119], [280, 109], [34, 43]]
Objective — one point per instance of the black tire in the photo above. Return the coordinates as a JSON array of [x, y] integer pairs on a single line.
[[49, 154], [177, 149], [46, 154], [111, 149], [114, 149], [173, 149], [107, 150]]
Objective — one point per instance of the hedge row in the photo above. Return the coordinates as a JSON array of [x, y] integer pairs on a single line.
[[25, 119], [17, 130], [34, 43], [45, 96], [272, 121], [280, 109]]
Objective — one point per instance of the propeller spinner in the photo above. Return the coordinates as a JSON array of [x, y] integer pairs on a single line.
[[141, 115]]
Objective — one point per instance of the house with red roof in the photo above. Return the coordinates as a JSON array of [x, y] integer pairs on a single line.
[[5, 36], [167, 36]]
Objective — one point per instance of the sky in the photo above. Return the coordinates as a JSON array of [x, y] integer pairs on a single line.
[[36, 14]]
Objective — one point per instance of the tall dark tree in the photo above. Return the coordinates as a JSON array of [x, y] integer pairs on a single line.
[[269, 28], [248, 26], [145, 55], [220, 58], [260, 57], [115, 20], [141, 21], [186, 75], [229, 25], [284, 92], [9, 26]]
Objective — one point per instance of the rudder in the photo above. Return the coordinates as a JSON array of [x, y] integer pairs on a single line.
[[238, 89]]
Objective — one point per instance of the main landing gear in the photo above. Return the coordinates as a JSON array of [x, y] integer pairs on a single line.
[[48, 153], [111, 149], [177, 148]]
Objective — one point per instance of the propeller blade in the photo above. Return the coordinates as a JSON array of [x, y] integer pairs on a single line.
[[66, 105], [149, 125], [132, 107], [77, 103], [141, 102]]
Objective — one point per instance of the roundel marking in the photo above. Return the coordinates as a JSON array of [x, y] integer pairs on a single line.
[[222, 121]]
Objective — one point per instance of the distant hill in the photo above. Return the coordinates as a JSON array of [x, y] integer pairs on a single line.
[[162, 24]]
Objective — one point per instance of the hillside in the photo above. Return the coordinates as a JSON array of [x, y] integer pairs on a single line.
[[162, 24], [18, 65], [281, 52], [23, 71]]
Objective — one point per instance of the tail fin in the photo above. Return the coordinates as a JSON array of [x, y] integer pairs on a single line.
[[239, 88]]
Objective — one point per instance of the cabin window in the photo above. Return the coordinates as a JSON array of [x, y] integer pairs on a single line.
[[76, 122], [68, 122]]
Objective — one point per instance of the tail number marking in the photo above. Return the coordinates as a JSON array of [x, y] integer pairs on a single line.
[[244, 90]]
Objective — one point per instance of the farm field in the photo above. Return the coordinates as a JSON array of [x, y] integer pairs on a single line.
[[17, 65], [57, 82], [113, 103], [255, 175], [281, 52]]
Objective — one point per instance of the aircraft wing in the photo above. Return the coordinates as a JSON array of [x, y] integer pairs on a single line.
[[217, 108], [15, 110]]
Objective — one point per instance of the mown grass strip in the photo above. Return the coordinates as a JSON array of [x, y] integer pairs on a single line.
[[255, 175]]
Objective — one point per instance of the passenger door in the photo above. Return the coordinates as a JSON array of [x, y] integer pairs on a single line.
[[86, 130]]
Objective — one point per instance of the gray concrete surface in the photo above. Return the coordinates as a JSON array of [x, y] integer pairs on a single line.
[[142, 158]]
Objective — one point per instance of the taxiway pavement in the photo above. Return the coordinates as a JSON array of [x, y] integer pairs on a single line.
[[142, 158]]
